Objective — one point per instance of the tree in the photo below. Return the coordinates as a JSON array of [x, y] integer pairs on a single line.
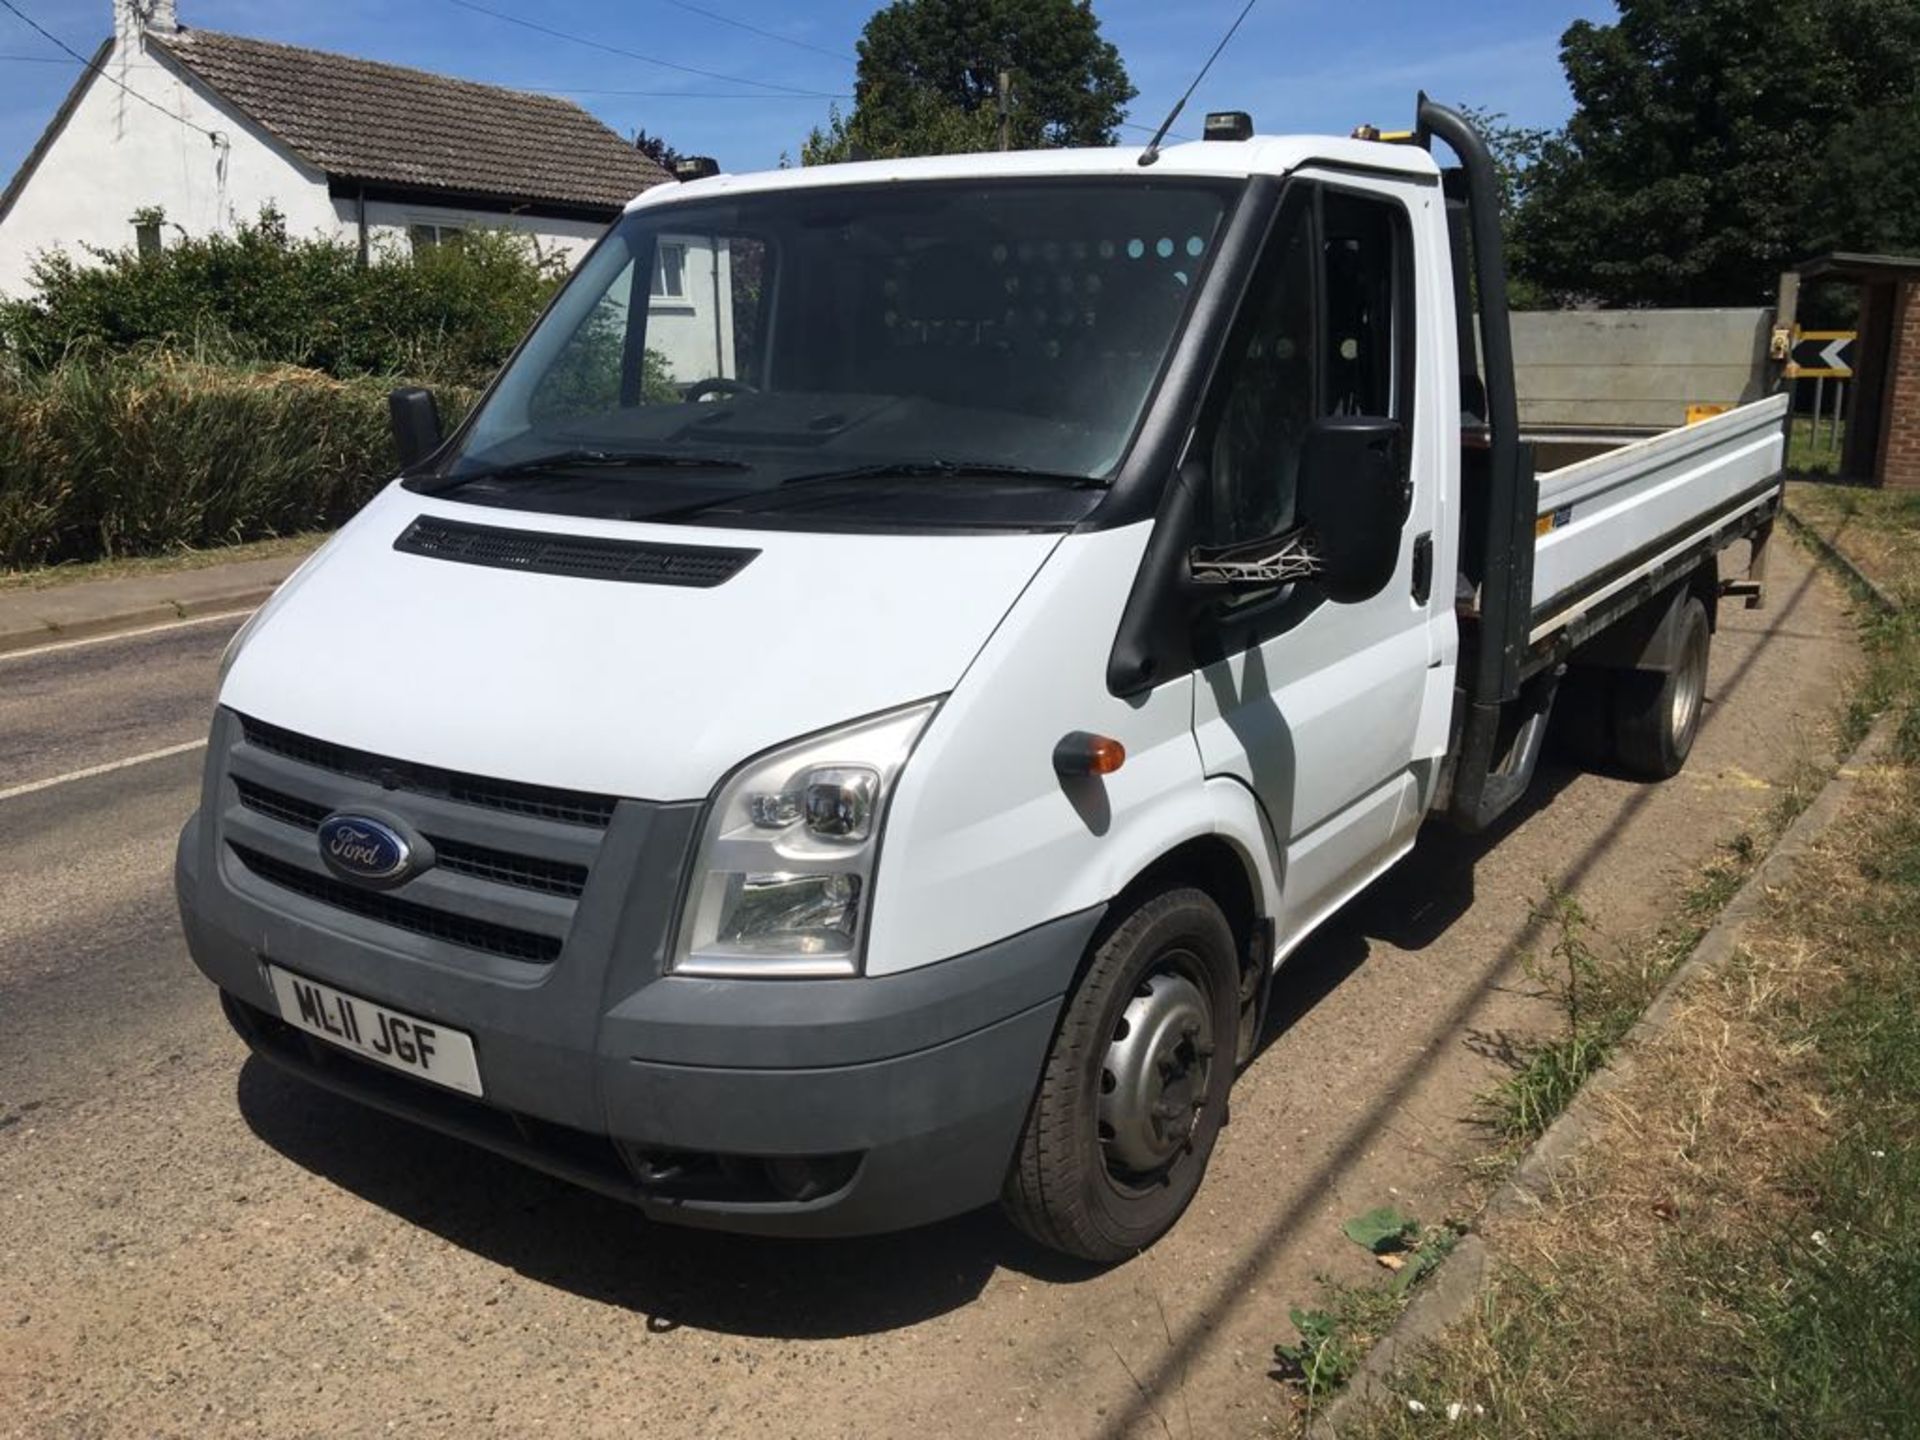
[[935, 127], [1716, 142], [657, 150], [928, 81], [1516, 152]]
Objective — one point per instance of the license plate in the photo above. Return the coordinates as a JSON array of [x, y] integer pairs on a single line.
[[394, 1038]]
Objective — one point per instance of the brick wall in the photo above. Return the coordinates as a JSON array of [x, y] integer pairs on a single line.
[[1900, 459]]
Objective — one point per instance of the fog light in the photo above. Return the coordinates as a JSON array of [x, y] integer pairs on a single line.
[[808, 1177]]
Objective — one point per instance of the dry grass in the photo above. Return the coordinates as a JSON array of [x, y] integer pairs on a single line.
[[1671, 1285], [1736, 1251], [1879, 530]]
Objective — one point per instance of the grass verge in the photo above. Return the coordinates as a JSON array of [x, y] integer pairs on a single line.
[[48, 576], [1600, 992], [1814, 450], [1737, 1253]]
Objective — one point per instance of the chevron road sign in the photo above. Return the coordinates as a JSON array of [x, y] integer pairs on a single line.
[[1827, 353]]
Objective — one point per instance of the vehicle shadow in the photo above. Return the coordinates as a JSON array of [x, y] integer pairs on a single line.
[[1410, 907], [560, 1235]]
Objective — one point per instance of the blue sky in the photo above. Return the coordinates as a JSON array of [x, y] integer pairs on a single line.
[[1294, 65]]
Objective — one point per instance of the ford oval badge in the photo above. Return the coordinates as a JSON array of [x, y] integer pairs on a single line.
[[358, 847]]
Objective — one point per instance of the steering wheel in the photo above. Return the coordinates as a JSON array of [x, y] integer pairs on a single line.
[[717, 385]]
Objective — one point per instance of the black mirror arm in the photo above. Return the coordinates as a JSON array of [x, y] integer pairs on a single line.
[[1155, 627], [415, 416]]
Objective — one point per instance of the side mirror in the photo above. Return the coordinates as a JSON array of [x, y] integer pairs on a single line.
[[1351, 503], [1354, 496], [416, 424]]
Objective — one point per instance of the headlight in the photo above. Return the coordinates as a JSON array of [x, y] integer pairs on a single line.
[[784, 877]]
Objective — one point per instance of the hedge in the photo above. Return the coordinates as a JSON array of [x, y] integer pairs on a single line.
[[258, 294], [139, 453]]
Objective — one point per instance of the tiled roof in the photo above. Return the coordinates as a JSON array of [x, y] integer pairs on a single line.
[[360, 120]]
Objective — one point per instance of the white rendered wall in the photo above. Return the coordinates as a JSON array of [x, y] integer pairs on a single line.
[[388, 226], [693, 332], [116, 155]]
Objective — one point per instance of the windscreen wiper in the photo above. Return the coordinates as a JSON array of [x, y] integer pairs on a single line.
[[908, 469], [584, 459]]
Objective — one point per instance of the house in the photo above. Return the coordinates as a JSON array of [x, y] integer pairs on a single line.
[[175, 131]]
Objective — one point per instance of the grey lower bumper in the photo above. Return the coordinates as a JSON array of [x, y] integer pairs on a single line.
[[675, 1091]]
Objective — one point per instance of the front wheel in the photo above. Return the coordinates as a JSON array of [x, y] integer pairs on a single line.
[[1134, 1090]]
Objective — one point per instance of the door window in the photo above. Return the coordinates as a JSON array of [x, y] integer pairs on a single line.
[[1327, 331], [1269, 397], [1364, 282]]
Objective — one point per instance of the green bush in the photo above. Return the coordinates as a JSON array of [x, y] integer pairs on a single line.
[[451, 315], [143, 452]]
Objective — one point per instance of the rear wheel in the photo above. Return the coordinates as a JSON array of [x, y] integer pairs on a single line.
[[1655, 715], [1135, 1087]]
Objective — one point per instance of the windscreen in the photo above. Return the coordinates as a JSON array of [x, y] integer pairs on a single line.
[[808, 332]]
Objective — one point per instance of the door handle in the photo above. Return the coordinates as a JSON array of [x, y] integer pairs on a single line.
[[1423, 567]]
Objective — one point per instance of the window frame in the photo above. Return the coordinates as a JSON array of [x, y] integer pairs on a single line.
[[669, 298], [443, 231]]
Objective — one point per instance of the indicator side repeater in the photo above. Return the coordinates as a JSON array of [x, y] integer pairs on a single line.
[[1082, 753]]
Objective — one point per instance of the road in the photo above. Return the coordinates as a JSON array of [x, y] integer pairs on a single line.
[[191, 1244]]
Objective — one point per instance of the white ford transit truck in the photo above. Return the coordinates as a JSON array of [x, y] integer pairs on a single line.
[[852, 724]]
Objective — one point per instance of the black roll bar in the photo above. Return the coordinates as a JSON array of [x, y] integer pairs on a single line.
[[1506, 593], [1492, 763]]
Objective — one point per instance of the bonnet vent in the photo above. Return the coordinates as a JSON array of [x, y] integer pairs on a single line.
[[584, 556]]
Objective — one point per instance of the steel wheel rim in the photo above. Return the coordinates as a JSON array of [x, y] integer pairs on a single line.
[[1689, 687], [1155, 1073]]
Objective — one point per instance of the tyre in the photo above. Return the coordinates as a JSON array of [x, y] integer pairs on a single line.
[[1582, 727], [1134, 1089], [1656, 716]]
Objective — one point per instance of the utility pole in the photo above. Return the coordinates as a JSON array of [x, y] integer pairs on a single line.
[[1005, 88]]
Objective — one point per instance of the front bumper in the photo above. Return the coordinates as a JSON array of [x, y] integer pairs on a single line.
[[683, 1095]]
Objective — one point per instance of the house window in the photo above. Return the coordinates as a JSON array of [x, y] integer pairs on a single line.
[[427, 236], [670, 273], [146, 237]]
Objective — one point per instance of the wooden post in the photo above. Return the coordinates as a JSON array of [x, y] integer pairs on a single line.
[[1005, 88]]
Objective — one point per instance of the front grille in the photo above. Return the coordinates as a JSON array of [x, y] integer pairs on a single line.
[[511, 861], [574, 807], [503, 867], [284, 808], [523, 871], [582, 556], [387, 909]]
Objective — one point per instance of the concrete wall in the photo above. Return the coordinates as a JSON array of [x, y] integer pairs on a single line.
[[1636, 369], [115, 155]]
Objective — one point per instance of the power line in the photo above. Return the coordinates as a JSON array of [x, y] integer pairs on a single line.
[[35, 25], [628, 54], [756, 30], [671, 94], [40, 59], [1148, 129]]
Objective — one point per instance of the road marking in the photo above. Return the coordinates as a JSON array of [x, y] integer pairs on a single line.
[[103, 769], [122, 635]]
